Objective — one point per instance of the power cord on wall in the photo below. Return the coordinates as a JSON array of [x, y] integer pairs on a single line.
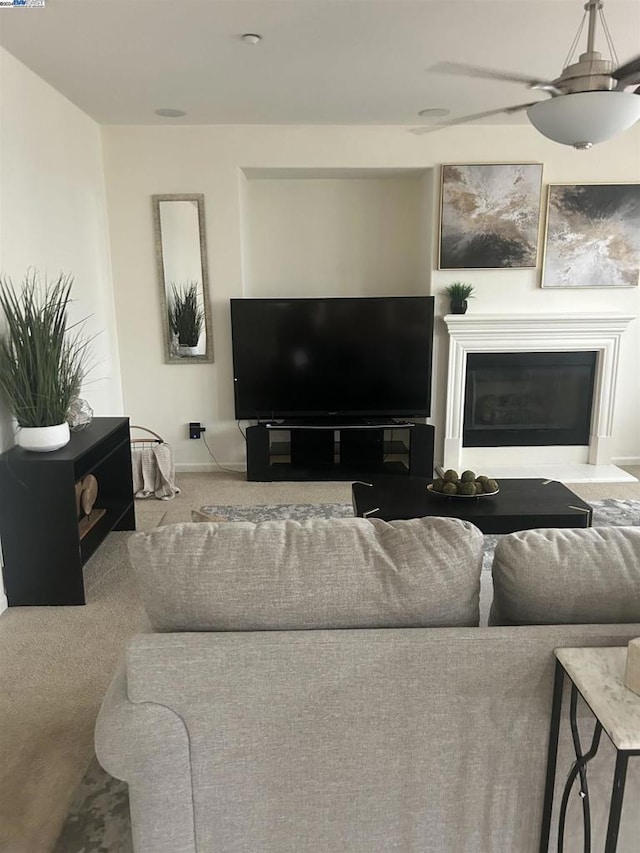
[[213, 456]]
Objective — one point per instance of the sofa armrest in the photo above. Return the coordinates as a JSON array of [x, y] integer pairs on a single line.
[[147, 746], [113, 718]]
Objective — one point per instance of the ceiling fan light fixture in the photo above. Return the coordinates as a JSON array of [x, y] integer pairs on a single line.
[[585, 118]]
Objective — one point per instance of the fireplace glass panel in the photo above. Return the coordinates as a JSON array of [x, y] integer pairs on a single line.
[[528, 398]]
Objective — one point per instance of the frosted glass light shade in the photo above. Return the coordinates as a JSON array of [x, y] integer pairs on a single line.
[[585, 118]]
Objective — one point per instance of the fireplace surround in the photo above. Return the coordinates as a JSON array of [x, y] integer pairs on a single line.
[[533, 333]]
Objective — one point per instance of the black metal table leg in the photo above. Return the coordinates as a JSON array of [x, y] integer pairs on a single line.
[[578, 769], [615, 809], [618, 714], [552, 756]]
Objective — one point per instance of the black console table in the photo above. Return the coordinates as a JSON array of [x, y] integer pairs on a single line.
[[338, 451], [43, 546]]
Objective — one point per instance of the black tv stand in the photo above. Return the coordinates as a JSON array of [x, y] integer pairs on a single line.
[[338, 449]]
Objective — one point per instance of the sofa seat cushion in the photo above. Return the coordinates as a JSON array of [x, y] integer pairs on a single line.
[[564, 576], [320, 573]]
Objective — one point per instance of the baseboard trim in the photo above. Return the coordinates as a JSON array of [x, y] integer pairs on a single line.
[[208, 467], [626, 461]]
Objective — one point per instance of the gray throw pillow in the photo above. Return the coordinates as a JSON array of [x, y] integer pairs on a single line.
[[564, 576], [321, 573]]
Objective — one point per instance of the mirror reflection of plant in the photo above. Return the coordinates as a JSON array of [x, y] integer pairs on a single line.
[[186, 317], [42, 361]]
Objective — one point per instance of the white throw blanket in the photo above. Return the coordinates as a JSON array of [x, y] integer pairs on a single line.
[[154, 472]]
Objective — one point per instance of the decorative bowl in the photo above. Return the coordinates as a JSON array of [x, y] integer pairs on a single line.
[[461, 497]]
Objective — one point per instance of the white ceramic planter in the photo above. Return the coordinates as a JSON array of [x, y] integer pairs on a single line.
[[187, 351], [43, 439]]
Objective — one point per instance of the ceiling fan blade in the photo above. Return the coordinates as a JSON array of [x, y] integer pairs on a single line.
[[627, 73], [419, 131], [488, 73]]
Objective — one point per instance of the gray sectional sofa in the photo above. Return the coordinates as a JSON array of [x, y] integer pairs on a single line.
[[324, 687]]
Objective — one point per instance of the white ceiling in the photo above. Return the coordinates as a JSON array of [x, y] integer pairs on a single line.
[[320, 61]]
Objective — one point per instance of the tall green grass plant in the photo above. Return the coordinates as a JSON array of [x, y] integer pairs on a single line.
[[42, 361]]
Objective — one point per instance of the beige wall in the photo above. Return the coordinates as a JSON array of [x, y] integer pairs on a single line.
[[53, 215], [232, 166], [341, 236], [53, 212]]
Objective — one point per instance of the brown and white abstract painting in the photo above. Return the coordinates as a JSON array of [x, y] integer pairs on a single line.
[[593, 236], [489, 217]]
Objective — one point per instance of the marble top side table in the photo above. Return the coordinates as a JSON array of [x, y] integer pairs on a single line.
[[597, 674]]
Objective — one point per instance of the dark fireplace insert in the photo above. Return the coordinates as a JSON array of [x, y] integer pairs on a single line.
[[528, 398]]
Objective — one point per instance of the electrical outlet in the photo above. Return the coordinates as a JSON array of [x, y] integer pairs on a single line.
[[196, 429]]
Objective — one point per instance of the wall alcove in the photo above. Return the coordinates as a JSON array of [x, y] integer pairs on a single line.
[[336, 232]]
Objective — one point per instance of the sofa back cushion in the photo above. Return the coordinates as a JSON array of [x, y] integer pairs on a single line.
[[564, 576], [321, 573]]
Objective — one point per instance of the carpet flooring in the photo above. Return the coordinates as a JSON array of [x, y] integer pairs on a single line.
[[98, 820], [55, 666]]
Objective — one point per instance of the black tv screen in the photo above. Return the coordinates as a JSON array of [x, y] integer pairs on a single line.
[[332, 357]]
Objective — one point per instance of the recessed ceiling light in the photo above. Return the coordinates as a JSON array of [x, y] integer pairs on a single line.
[[252, 38], [169, 113], [434, 112]]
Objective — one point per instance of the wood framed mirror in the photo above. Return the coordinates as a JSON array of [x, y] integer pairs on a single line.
[[181, 256]]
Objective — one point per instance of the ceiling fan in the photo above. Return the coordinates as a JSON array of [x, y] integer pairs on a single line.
[[588, 102]]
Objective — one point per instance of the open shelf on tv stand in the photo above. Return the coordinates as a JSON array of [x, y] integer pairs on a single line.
[[339, 450]]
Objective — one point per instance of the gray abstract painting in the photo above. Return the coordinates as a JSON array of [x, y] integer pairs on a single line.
[[593, 236], [490, 215]]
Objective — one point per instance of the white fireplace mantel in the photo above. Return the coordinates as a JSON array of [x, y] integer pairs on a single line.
[[535, 333]]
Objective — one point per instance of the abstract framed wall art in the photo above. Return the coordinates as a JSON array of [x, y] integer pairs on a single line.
[[592, 236], [490, 216]]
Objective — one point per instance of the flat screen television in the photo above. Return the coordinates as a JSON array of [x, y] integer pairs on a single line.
[[351, 357]]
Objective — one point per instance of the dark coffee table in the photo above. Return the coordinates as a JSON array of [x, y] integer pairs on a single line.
[[519, 505]]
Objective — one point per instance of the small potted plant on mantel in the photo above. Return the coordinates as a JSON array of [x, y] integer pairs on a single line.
[[186, 317], [458, 293], [42, 361]]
